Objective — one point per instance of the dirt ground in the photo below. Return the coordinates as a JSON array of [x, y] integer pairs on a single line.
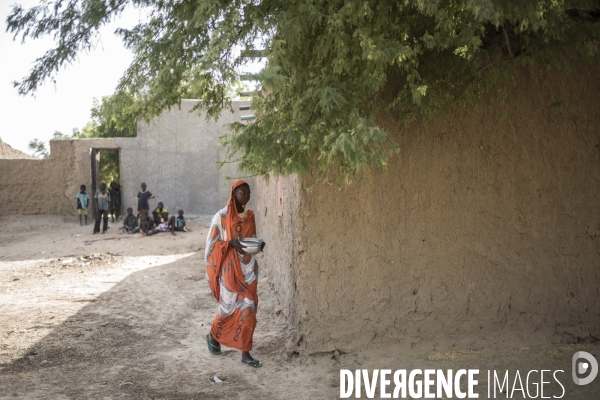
[[119, 316]]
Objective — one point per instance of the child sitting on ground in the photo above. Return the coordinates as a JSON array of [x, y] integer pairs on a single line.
[[180, 223], [130, 224], [82, 203], [166, 225], [146, 223], [160, 213]]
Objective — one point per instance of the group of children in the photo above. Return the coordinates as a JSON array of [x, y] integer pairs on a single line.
[[160, 223], [106, 200]]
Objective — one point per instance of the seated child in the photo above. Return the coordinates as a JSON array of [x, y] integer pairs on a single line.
[[146, 222], [180, 223], [130, 224], [166, 225], [160, 213]]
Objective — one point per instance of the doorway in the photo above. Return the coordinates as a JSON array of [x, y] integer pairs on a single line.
[[105, 166]]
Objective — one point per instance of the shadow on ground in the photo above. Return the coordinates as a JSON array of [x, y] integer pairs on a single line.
[[144, 339]]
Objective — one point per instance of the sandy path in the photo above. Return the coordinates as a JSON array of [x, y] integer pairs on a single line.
[[78, 322], [127, 324]]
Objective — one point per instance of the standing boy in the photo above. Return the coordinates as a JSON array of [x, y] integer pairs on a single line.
[[142, 198], [115, 200], [103, 202], [82, 203]]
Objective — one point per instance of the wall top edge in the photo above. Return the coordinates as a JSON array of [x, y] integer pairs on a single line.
[[82, 140], [100, 143], [2, 160]]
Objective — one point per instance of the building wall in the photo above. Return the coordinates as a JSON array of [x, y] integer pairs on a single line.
[[48, 186], [484, 229], [282, 233], [175, 155]]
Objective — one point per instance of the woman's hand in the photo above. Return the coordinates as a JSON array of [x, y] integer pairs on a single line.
[[235, 243]]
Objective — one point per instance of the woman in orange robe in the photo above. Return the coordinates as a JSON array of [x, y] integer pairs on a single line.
[[233, 275]]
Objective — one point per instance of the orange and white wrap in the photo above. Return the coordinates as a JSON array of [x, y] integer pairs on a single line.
[[232, 277]]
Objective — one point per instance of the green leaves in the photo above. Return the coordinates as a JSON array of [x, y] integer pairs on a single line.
[[332, 67], [73, 26], [38, 148]]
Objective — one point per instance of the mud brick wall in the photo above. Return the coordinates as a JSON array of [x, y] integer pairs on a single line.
[[485, 229], [48, 186], [28, 193], [278, 222]]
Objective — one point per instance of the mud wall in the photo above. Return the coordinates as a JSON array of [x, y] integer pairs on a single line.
[[48, 186], [7, 152], [485, 229], [175, 155], [278, 201]]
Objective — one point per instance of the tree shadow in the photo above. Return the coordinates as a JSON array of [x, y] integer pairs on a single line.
[[142, 339]]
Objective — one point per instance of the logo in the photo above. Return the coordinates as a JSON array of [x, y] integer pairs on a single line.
[[462, 383], [580, 367]]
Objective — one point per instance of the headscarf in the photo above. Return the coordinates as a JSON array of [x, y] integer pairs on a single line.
[[222, 252], [232, 215]]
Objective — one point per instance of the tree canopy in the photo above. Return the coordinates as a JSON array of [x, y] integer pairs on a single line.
[[332, 66], [112, 116]]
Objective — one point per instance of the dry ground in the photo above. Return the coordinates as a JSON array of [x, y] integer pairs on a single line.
[[124, 317]]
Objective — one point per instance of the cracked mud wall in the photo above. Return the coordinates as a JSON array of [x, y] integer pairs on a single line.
[[485, 229]]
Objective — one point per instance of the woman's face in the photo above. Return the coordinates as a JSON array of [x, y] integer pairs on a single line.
[[242, 194]]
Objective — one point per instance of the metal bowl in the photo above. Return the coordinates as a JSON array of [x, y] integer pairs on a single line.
[[251, 245]]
